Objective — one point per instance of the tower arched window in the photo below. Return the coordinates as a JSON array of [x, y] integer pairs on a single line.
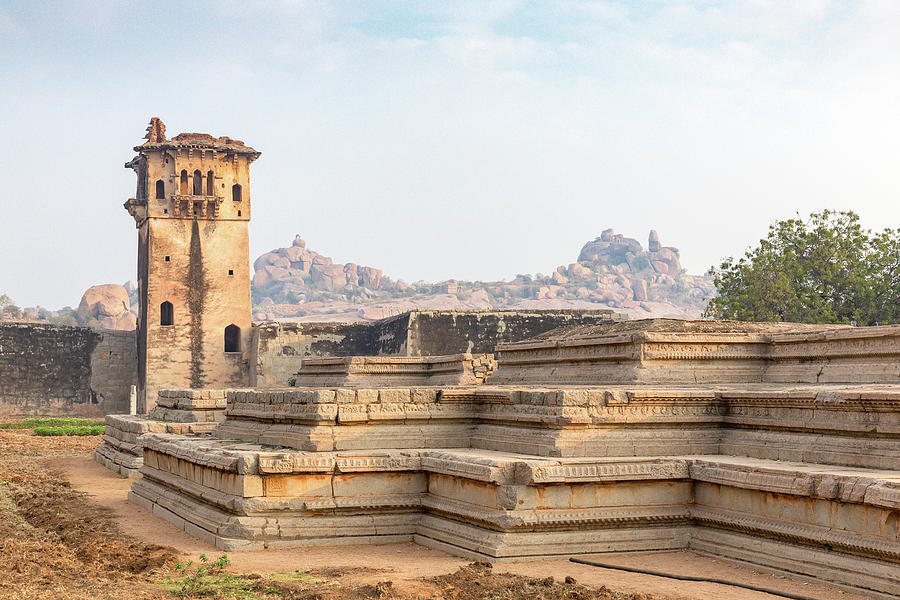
[[210, 179], [184, 183], [166, 313], [232, 338], [160, 190], [198, 183], [236, 192]]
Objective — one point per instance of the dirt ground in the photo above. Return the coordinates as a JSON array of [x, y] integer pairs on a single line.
[[68, 531]]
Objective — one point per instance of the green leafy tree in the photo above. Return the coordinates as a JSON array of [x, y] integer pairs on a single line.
[[826, 269]]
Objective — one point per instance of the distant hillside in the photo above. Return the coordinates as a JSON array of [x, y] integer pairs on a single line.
[[612, 271]]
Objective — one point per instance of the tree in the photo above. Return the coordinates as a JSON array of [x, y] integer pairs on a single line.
[[8, 308], [827, 269]]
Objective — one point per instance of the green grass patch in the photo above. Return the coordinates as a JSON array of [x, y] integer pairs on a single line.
[[207, 578], [70, 430], [51, 422], [221, 585], [229, 586]]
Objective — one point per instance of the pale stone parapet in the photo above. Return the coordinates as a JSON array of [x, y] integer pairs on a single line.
[[830, 355], [372, 371], [832, 425]]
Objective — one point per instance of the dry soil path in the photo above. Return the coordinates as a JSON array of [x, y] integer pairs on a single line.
[[405, 563]]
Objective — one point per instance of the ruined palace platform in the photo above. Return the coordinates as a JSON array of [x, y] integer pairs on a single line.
[[809, 478], [724, 457]]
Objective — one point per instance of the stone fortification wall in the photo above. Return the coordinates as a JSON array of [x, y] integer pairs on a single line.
[[114, 370], [440, 332], [279, 348], [53, 370]]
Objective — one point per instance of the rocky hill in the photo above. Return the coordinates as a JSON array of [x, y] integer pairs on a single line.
[[612, 271], [299, 284]]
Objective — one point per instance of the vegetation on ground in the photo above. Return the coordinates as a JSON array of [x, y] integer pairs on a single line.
[[209, 579], [62, 426], [51, 422], [70, 430], [825, 269]]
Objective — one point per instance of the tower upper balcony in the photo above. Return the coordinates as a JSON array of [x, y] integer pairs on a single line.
[[193, 175]]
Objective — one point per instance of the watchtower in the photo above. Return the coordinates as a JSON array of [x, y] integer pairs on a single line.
[[192, 210]]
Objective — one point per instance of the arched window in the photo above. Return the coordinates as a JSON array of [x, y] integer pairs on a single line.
[[166, 314], [236, 193], [232, 338], [198, 183], [160, 190], [210, 178], [184, 183]]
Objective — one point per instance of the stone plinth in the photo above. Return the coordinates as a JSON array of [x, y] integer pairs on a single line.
[[764, 353], [387, 371], [190, 406], [494, 505], [176, 412]]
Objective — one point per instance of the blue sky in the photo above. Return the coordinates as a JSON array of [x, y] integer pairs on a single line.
[[448, 139]]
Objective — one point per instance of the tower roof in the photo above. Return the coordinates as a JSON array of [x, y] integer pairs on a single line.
[[156, 140]]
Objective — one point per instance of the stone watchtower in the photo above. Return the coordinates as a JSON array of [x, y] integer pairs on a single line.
[[192, 209]]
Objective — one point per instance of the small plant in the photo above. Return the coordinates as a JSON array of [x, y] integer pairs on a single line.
[[200, 580], [292, 382]]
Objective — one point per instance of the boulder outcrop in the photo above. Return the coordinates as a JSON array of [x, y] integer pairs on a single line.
[[106, 306], [612, 271]]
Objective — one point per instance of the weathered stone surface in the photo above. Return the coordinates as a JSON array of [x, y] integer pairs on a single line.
[[54, 369], [279, 348], [717, 453], [106, 306], [673, 351], [191, 209], [499, 505], [369, 371], [178, 412]]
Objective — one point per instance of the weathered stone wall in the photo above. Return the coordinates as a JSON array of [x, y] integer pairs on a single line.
[[278, 348], [114, 370], [436, 332], [53, 370]]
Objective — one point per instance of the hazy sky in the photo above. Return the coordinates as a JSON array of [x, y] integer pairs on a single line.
[[447, 139]]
